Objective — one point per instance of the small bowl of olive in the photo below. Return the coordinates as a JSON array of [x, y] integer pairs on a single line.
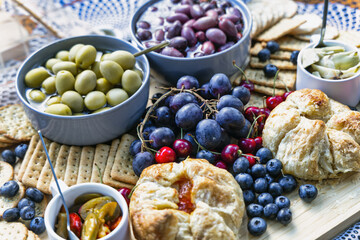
[[84, 90]]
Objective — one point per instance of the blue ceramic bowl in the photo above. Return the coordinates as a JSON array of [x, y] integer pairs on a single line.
[[93, 128], [203, 68]]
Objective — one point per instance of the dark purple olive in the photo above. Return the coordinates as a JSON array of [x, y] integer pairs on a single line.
[[200, 36], [225, 46], [239, 27], [143, 25], [231, 17], [188, 2], [196, 11], [228, 27], [189, 23], [177, 17], [207, 6], [150, 44], [199, 54], [219, 11], [159, 21], [235, 11], [175, 1], [225, 4], [184, 9], [205, 23], [174, 30], [189, 35], [153, 9], [180, 43], [212, 13], [144, 34], [159, 35], [216, 36], [208, 48], [170, 51]]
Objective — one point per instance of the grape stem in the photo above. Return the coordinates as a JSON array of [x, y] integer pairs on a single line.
[[252, 125], [242, 71]]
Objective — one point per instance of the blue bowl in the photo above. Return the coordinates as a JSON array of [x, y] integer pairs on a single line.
[[93, 128], [203, 68]]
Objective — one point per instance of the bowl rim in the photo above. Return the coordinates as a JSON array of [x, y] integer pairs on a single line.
[[243, 9], [333, 43], [145, 80]]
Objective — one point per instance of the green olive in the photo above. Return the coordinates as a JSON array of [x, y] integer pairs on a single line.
[[116, 96], [37, 95], [49, 85], [111, 71], [138, 71], [35, 77], [85, 56], [95, 100], [73, 100], [131, 81], [101, 109], [105, 56], [103, 85], [58, 109], [65, 65], [85, 82], [73, 50], [51, 62], [96, 68], [53, 100], [125, 59], [64, 81], [63, 55]]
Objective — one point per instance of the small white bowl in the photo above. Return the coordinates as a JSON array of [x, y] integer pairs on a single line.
[[121, 232], [346, 91]]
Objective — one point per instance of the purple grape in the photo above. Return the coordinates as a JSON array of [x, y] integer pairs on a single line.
[[161, 137], [216, 36], [163, 115], [187, 82], [181, 99], [208, 133], [135, 147], [188, 116], [241, 93], [225, 139], [147, 131], [230, 118], [219, 85], [230, 101]]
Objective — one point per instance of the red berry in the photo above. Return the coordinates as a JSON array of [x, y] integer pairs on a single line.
[[272, 102], [165, 155], [221, 164], [286, 94], [230, 153], [249, 85], [182, 147], [251, 113], [258, 141], [260, 128], [75, 224], [251, 159], [247, 145], [125, 192]]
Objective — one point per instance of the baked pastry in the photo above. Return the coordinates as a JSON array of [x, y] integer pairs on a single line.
[[188, 200], [315, 137]]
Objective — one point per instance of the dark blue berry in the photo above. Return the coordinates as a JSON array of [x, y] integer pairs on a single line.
[[219, 85], [271, 210], [230, 119], [244, 180], [269, 179], [273, 167], [230, 101], [187, 82], [264, 55], [208, 133], [294, 57], [308, 192], [37, 225], [9, 189], [270, 70], [205, 91], [275, 189], [257, 226], [260, 185], [163, 116], [162, 136], [11, 214], [264, 154], [141, 161], [188, 116], [272, 46], [225, 140], [135, 147], [241, 165], [27, 213], [265, 198], [190, 137], [241, 93], [26, 202], [249, 196], [254, 210], [258, 171], [288, 183], [181, 99], [205, 154], [284, 216], [34, 194], [20, 150], [147, 131], [8, 156], [155, 97], [282, 202]]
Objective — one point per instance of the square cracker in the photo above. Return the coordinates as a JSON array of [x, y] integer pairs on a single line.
[[99, 164], [31, 149], [257, 100], [13, 231], [350, 37], [86, 163], [281, 55], [288, 43], [6, 203], [110, 162], [280, 64], [4, 139], [122, 169], [32, 236], [72, 166], [61, 162], [268, 90], [15, 125]]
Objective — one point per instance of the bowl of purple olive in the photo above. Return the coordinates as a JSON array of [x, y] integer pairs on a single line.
[[205, 37]]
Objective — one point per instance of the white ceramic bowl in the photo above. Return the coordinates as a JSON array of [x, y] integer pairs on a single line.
[[346, 91], [121, 232]]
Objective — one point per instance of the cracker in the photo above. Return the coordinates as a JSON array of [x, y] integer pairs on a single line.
[[4, 139], [13, 231], [99, 164], [331, 33], [281, 55], [72, 167], [280, 29], [5, 145], [350, 37], [290, 8], [61, 162], [6, 172], [257, 77], [15, 124], [313, 22], [288, 43], [45, 177], [110, 162], [256, 100], [35, 165], [6, 203], [32, 145], [32, 236], [86, 162], [122, 169], [16, 168], [280, 64], [268, 90]]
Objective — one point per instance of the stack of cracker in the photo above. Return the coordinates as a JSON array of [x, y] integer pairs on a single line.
[[16, 231]]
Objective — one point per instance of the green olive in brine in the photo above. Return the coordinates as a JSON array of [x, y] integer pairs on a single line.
[[131, 81], [53, 100], [96, 69], [103, 85], [73, 51], [35, 77], [95, 100], [51, 62], [65, 65], [85, 56], [62, 55], [116, 96], [85, 82], [74, 100], [49, 85], [125, 59], [37, 95], [64, 81], [59, 109], [111, 71]]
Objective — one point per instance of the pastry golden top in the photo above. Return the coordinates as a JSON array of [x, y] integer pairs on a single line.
[[188, 200]]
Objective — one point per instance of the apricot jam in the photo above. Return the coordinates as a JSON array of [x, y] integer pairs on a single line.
[[185, 203]]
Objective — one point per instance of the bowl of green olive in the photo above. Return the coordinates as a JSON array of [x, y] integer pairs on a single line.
[[84, 90]]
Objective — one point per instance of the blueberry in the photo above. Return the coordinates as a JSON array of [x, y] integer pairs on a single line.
[[188, 116], [269, 179], [254, 210], [282, 202], [180, 100], [294, 57], [147, 131], [225, 140], [163, 116], [11, 214], [141, 161], [273, 167], [249, 196], [244, 180], [187, 82], [155, 97], [205, 91], [241, 93], [271, 210], [264, 154], [275, 189], [27, 213], [26, 202], [219, 85], [264, 55], [168, 100], [284, 216], [8, 156], [288, 183], [34, 194], [208, 133], [260, 185], [230, 119], [20, 150], [265, 198], [190, 137], [257, 226], [258, 171], [241, 165], [9, 189], [205, 154], [270, 70], [308, 192], [243, 132], [37, 225], [162, 136], [230, 101], [272, 46], [135, 147]]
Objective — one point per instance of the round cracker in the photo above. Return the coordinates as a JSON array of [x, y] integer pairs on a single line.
[[312, 23], [13, 230], [6, 172]]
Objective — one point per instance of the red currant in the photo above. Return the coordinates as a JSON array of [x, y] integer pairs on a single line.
[[125, 193], [165, 155], [182, 147], [230, 153], [251, 159], [251, 113], [285, 95], [272, 102], [247, 145], [221, 164], [249, 85], [258, 141]]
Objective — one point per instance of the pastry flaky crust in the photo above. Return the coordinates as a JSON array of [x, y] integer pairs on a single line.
[[218, 200], [315, 137]]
